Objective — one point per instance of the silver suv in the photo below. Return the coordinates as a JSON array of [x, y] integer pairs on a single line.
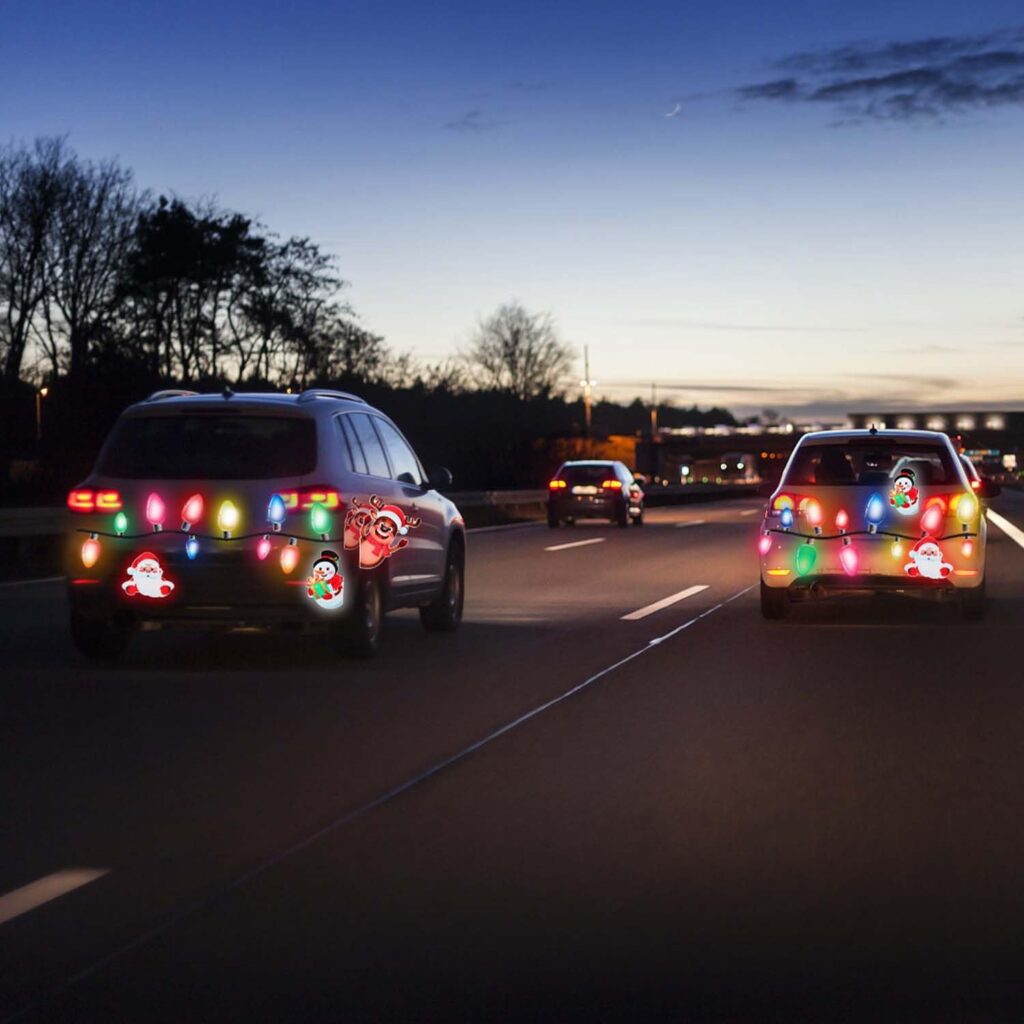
[[288, 512]]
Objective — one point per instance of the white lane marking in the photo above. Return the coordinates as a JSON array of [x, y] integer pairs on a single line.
[[642, 613], [25, 583], [503, 526], [692, 522], [1013, 532], [575, 544], [42, 890], [202, 904], [749, 511]]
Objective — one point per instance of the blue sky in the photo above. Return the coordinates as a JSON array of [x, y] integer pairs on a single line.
[[807, 232]]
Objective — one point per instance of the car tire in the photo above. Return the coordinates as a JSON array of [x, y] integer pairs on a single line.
[[100, 639], [622, 519], [973, 603], [553, 519], [358, 632], [774, 602], [638, 520], [444, 613]]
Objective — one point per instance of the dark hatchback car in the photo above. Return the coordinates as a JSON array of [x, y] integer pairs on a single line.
[[595, 490], [293, 513]]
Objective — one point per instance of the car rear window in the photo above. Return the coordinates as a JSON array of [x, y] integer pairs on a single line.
[[870, 462], [587, 474], [210, 447]]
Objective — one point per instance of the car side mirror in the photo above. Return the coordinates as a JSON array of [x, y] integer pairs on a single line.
[[989, 489], [439, 478], [640, 478]]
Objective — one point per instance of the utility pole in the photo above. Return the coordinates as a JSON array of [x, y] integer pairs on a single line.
[[586, 384], [654, 410]]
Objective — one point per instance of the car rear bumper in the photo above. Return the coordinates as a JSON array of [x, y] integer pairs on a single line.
[[588, 507]]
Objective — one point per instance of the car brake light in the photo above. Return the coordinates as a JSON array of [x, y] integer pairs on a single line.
[[108, 501], [82, 501], [556, 485], [612, 485], [310, 496], [976, 484]]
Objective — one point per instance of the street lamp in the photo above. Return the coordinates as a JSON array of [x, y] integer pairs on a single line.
[[40, 395]]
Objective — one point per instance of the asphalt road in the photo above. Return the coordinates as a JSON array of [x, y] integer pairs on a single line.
[[565, 811]]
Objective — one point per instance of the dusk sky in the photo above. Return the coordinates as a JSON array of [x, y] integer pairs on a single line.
[[807, 205]]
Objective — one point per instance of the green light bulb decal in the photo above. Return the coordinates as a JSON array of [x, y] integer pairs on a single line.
[[319, 519], [806, 556], [120, 523]]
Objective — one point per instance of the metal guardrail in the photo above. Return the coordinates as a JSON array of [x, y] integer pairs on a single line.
[[41, 522]]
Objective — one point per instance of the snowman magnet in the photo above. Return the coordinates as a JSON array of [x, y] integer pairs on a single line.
[[325, 584], [904, 496], [927, 560]]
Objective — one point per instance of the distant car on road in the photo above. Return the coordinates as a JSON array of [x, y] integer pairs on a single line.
[[595, 489], [866, 511], [297, 513]]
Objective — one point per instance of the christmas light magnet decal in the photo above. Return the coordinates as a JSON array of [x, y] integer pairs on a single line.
[[146, 577], [927, 560], [325, 584], [385, 535], [904, 495]]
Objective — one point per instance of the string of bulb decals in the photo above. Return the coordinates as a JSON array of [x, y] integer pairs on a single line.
[[228, 519]]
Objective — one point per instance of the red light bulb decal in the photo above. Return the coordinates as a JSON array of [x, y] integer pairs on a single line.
[[842, 519], [90, 551], [931, 521], [289, 557], [192, 512]]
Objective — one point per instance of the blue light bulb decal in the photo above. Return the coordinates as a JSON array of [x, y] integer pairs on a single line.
[[191, 548], [276, 511], [875, 512], [786, 518]]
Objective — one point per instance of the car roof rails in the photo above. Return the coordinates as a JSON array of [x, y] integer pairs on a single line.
[[158, 396], [311, 393]]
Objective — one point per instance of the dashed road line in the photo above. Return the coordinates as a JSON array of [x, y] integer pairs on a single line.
[[575, 544], [650, 609], [692, 522], [20, 901], [1015, 533]]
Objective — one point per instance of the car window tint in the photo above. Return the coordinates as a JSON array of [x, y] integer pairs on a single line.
[[210, 447], [404, 465], [870, 462], [343, 446], [356, 449], [588, 473], [372, 449]]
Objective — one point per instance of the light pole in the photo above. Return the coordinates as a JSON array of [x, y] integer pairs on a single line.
[[41, 393], [586, 384]]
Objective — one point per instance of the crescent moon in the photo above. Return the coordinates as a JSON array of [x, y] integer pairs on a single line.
[[675, 110]]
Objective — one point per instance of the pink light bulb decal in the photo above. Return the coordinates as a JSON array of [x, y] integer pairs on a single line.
[[814, 515], [90, 551], [931, 521], [289, 557], [842, 519], [155, 511], [263, 548], [850, 559], [967, 548], [764, 544]]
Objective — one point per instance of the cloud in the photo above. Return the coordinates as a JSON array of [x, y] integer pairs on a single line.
[[474, 121], [923, 79]]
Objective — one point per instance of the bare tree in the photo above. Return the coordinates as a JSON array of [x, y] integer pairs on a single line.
[[30, 182], [91, 236], [520, 352]]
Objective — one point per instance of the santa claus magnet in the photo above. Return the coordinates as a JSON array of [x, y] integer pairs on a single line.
[[146, 578], [325, 584], [927, 560], [384, 534]]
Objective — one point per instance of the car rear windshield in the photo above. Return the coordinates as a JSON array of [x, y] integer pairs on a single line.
[[587, 474], [210, 447], [871, 462]]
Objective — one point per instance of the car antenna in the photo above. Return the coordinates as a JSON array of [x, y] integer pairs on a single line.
[[874, 429]]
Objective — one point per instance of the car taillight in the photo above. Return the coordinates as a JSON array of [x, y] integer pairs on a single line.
[[87, 500], [612, 485], [976, 484], [108, 501], [557, 485], [305, 499], [82, 501], [781, 502]]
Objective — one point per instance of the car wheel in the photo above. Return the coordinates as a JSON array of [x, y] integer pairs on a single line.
[[973, 603], [774, 602], [552, 519], [358, 632], [100, 639], [638, 520], [444, 613], [622, 518]]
